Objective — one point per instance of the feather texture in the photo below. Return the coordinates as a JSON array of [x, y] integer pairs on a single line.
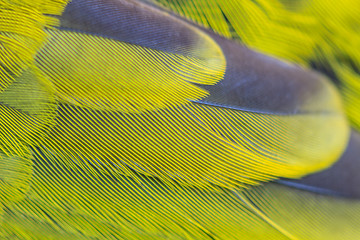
[[22, 33], [263, 25], [126, 122], [24, 120], [198, 144], [84, 202], [319, 34], [105, 74]]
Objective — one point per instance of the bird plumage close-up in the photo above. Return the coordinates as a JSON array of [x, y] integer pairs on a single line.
[[180, 119]]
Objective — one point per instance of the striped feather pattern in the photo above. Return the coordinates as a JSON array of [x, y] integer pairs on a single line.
[[320, 34], [22, 33], [125, 122], [198, 144], [27, 110], [106, 74], [263, 25], [84, 202]]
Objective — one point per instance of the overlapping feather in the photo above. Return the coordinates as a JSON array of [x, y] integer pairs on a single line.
[[116, 136], [22, 34], [112, 75], [84, 202], [319, 33]]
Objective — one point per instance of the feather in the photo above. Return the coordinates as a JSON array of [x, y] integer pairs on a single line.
[[15, 175], [199, 142], [24, 120], [263, 25], [85, 202], [153, 60], [136, 79], [340, 179], [22, 34], [350, 88], [130, 123], [320, 34]]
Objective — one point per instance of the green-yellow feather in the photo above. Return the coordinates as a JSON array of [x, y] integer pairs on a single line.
[[83, 202], [302, 31], [27, 104], [106, 74], [82, 179], [22, 34]]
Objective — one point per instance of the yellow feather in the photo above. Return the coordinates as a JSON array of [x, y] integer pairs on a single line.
[[27, 110], [83, 202], [263, 25], [103, 139], [201, 145], [318, 32], [22, 34], [106, 74], [15, 175]]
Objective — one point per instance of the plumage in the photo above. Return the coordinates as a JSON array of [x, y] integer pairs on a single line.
[[22, 33], [137, 78], [340, 179], [319, 34], [121, 120]]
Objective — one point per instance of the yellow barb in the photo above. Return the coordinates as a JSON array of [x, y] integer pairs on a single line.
[[105, 74], [305, 32], [22, 33]]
